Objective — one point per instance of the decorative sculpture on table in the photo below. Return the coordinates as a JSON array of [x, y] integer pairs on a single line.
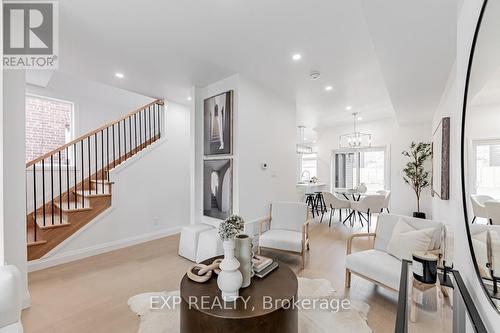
[[202, 273], [230, 278]]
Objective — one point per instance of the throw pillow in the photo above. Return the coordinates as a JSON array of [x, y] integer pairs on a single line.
[[405, 240]]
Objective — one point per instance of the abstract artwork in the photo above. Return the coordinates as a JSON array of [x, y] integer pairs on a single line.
[[217, 188], [441, 160], [218, 114]]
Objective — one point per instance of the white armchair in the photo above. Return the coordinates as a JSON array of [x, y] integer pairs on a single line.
[[288, 228], [368, 205], [387, 200], [376, 264], [333, 202], [493, 211], [10, 300], [478, 206]]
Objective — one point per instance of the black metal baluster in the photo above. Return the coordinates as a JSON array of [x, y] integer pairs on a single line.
[[43, 191], [154, 120], [34, 202], [60, 188], [125, 139], [52, 188], [102, 160], [83, 174], [67, 175], [130, 135], [149, 120], [74, 173], [140, 130], [107, 152], [145, 127], [90, 168], [119, 145], [95, 153], [135, 132], [114, 158], [159, 120]]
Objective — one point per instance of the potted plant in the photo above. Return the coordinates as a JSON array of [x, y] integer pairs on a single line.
[[414, 173], [230, 278]]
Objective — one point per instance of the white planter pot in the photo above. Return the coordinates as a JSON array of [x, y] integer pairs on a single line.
[[230, 278], [243, 253]]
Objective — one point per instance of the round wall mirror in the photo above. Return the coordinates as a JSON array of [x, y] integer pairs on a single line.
[[481, 151]]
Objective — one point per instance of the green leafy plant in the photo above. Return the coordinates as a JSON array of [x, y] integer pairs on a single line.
[[414, 173]]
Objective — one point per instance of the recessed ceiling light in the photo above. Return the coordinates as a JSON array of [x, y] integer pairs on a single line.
[[348, 108], [119, 75], [328, 88], [189, 98], [296, 57]]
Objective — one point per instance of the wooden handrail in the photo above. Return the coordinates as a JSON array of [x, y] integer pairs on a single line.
[[85, 136]]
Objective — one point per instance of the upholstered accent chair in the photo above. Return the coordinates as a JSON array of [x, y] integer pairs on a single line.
[[479, 207], [387, 200], [10, 300], [333, 202], [376, 264], [493, 211], [369, 205], [288, 228]]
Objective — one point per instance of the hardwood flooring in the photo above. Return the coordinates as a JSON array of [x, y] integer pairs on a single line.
[[91, 295]]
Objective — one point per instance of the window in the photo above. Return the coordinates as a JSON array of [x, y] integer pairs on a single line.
[[48, 125], [486, 159], [308, 166], [354, 167]]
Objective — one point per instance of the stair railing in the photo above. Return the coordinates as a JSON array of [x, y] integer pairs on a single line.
[[63, 178]]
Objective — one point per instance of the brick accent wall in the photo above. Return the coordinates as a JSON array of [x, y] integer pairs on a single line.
[[48, 123]]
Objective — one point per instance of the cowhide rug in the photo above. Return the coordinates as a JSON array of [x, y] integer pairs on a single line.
[[350, 320]]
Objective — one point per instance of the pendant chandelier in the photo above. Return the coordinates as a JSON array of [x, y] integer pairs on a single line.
[[302, 148], [355, 139]]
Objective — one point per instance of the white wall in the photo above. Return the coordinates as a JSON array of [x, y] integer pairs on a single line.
[[385, 133], [264, 131], [451, 211], [14, 213], [150, 196], [95, 103]]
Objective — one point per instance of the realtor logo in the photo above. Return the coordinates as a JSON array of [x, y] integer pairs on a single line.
[[30, 34]]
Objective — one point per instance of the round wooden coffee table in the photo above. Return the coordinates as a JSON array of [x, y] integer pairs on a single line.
[[265, 306]]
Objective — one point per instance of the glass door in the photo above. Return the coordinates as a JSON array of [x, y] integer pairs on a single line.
[[353, 167]]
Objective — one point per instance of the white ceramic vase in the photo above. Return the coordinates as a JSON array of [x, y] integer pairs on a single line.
[[230, 278], [243, 253]]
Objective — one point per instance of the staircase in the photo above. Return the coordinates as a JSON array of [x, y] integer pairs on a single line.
[[70, 186]]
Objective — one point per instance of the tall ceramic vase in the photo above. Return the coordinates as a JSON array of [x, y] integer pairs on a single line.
[[230, 278], [244, 255]]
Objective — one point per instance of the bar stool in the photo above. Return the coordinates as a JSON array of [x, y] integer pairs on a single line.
[[311, 202], [320, 202]]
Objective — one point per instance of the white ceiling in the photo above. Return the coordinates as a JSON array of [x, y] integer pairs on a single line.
[[385, 58]]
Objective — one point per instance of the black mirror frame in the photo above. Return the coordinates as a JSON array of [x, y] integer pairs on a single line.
[[462, 153]]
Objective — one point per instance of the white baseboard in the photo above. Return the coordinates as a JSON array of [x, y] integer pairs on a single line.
[[26, 300], [58, 259]]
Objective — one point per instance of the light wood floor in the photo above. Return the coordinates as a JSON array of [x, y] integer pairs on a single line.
[[91, 295]]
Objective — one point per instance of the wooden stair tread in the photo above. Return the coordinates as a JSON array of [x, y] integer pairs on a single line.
[[72, 208], [38, 242], [99, 181], [58, 222], [91, 194]]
